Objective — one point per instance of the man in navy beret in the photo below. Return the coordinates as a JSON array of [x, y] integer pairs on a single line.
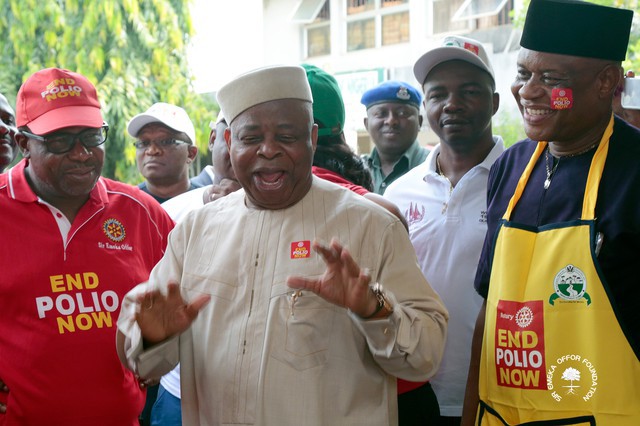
[[393, 121]]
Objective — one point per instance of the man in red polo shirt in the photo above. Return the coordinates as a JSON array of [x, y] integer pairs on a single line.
[[74, 244]]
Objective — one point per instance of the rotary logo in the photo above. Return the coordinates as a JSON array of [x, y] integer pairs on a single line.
[[524, 317], [570, 285], [114, 230]]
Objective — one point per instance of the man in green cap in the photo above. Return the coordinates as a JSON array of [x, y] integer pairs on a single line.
[[333, 159]]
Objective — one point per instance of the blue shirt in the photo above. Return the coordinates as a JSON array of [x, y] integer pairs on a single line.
[[143, 187]]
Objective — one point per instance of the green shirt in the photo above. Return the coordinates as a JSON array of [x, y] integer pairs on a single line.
[[412, 157]]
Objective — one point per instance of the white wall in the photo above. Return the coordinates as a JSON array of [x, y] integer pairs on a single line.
[[228, 41]]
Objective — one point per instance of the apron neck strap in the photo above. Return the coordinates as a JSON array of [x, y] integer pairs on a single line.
[[593, 179]]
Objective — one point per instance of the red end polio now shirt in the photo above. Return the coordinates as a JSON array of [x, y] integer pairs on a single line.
[[59, 302]]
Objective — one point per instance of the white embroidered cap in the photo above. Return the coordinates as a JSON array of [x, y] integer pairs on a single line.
[[263, 85]]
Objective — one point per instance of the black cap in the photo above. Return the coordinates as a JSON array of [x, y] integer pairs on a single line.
[[577, 28]]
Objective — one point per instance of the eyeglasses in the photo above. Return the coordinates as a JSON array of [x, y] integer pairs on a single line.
[[60, 143], [167, 143]]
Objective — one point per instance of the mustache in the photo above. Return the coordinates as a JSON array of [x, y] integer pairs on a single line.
[[82, 166], [9, 139]]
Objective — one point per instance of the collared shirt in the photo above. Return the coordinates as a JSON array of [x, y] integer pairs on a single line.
[[412, 157], [447, 227], [61, 290], [258, 355], [617, 212]]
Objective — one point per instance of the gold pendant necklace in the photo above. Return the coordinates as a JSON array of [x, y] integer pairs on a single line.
[[550, 170]]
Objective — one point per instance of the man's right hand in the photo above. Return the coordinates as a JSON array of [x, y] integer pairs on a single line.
[[162, 316], [225, 187]]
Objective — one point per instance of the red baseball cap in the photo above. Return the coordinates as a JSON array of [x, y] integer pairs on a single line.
[[55, 98]]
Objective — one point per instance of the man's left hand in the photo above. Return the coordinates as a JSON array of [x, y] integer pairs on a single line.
[[343, 283]]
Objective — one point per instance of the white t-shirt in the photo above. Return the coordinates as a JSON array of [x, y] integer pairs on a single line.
[[447, 229]]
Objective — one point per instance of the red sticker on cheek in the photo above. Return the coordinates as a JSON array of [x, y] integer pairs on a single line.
[[561, 98]]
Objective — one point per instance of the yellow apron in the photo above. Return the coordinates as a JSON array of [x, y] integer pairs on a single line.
[[553, 350]]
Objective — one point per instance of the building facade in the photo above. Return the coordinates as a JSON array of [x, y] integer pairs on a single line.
[[364, 42]]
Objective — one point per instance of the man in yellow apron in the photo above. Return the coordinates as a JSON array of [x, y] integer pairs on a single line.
[[558, 339]]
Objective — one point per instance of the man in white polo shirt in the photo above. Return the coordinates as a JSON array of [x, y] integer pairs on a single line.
[[444, 199]]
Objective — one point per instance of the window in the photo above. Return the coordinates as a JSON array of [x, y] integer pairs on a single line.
[[395, 28], [391, 3], [310, 10], [318, 32], [443, 10], [472, 9], [373, 23], [359, 6], [318, 41], [457, 15], [361, 34]]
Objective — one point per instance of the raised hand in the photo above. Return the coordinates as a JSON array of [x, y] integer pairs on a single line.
[[343, 283], [161, 317]]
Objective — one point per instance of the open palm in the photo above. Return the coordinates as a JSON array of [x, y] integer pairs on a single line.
[[343, 283], [162, 316]]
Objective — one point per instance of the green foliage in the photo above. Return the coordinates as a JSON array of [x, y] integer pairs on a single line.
[[134, 51], [509, 126]]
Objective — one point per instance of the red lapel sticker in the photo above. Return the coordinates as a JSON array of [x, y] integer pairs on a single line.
[[300, 249]]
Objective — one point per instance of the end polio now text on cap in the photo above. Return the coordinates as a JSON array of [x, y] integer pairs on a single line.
[[55, 98]]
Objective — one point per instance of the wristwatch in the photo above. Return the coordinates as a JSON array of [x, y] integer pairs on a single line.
[[383, 302]]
